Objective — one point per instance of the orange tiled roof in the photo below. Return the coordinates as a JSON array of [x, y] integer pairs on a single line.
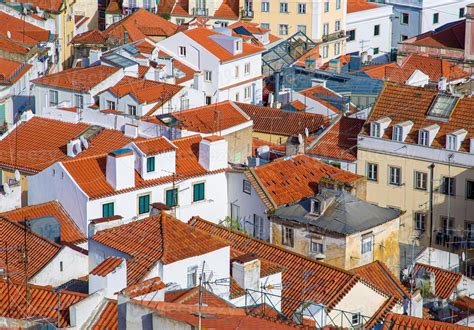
[[402, 103], [329, 284], [77, 78], [191, 297], [338, 141], [291, 179], [298, 105], [450, 36], [93, 36], [21, 31], [144, 47], [379, 71], [188, 71], [155, 146], [360, 5], [40, 250], [70, 232], [228, 9], [173, 240], [52, 6], [108, 317], [318, 92], [343, 60], [11, 71], [235, 289], [445, 281], [145, 91], [256, 143], [107, 266], [13, 47], [42, 302], [249, 26], [89, 172], [402, 322], [38, 143], [377, 274], [279, 122], [142, 288], [202, 37], [381, 313]]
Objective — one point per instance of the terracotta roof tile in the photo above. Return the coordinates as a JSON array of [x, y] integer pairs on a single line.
[[228, 9], [279, 122], [464, 303], [188, 72], [144, 46], [250, 27], [451, 35], [93, 36], [155, 146], [339, 141], [191, 297], [256, 143], [41, 304], [173, 241], [330, 284], [13, 47], [11, 71], [287, 180], [406, 103], [52, 6], [38, 143], [89, 172], [354, 6], [142, 288], [324, 96], [108, 317], [107, 266], [21, 31], [78, 78], [402, 322], [203, 37], [70, 232], [235, 289], [381, 313], [445, 281]]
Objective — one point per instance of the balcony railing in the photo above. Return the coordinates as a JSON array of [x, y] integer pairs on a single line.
[[246, 13], [334, 36], [200, 11]]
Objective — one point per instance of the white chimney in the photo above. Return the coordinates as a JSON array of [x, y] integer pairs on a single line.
[[120, 169], [94, 56], [110, 275], [213, 153], [130, 130], [246, 271], [74, 148]]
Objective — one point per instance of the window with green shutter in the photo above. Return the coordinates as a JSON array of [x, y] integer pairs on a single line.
[[150, 164], [198, 192], [3, 115], [143, 204], [172, 197], [108, 210]]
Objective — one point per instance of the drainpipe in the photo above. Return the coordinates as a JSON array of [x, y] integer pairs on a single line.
[[431, 168], [277, 88]]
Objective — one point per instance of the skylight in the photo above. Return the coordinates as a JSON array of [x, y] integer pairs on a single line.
[[442, 106]]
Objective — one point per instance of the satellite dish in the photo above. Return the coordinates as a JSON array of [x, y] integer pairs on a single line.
[[17, 176], [84, 142], [300, 139], [7, 189], [9, 35], [306, 132], [37, 9]]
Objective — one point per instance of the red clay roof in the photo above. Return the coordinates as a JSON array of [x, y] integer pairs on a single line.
[[107, 266], [155, 146], [203, 37], [445, 281], [403, 322], [329, 284], [13, 47], [288, 180], [279, 122], [228, 9], [378, 274], [338, 141], [108, 317], [142, 288], [93, 36], [403, 103], [191, 297], [70, 232], [360, 5], [40, 250], [38, 143], [21, 31], [42, 302], [186, 70], [250, 27], [451, 35], [11, 71], [52, 6], [78, 78], [172, 241]]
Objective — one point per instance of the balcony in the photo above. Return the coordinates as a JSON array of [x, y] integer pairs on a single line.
[[200, 12], [246, 14], [334, 36]]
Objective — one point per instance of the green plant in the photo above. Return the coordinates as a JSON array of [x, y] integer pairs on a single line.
[[425, 289], [233, 224]]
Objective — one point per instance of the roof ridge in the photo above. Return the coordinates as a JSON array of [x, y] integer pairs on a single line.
[[43, 287]]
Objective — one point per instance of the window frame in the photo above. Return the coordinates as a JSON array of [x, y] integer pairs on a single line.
[[261, 230], [207, 76], [467, 189], [397, 133], [288, 236], [402, 16], [265, 6], [202, 196], [363, 245], [175, 202], [285, 30], [150, 164], [376, 30], [110, 104], [191, 271], [368, 171], [246, 184], [435, 18], [247, 68], [301, 8], [182, 51], [284, 7], [146, 205], [424, 136], [108, 204], [79, 97], [418, 174], [420, 223], [131, 108], [393, 175], [317, 242], [351, 35], [53, 97], [448, 185]]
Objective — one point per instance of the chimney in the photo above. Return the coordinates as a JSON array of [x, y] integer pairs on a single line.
[[74, 148], [469, 36], [130, 130], [213, 153], [246, 271], [110, 275], [120, 169], [335, 65]]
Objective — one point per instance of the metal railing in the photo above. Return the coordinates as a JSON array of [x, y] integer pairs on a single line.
[[246, 13], [334, 36], [200, 11]]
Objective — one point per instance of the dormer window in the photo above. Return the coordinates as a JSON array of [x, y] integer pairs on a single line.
[[182, 51], [238, 46], [315, 207], [397, 133], [423, 138], [150, 164], [455, 139], [451, 143], [375, 129], [378, 127]]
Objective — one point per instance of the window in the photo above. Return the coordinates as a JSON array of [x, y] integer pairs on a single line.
[[198, 192], [265, 7], [377, 30], [423, 137], [150, 164], [451, 142], [351, 35], [172, 197], [53, 98], [462, 12], [234, 212], [132, 110], [395, 175], [442, 106], [192, 276], [337, 48], [448, 186], [421, 180], [366, 244], [420, 220], [288, 236], [397, 133], [208, 100], [435, 18], [283, 7], [447, 225], [247, 68], [375, 130], [355, 319], [237, 97], [302, 28], [208, 75], [236, 71], [257, 226], [325, 29], [78, 101], [180, 21], [110, 105], [108, 210], [325, 51], [469, 232], [317, 246], [247, 188], [283, 29], [372, 172], [338, 4], [326, 6], [470, 189], [265, 26], [182, 51], [301, 8], [376, 50], [247, 92], [184, 104], [61, 267], [238, 46], [403, 37], [143, 204], [405, 18], [337, 25]]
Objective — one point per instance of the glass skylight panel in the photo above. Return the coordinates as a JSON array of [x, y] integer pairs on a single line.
[[442, 106]]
